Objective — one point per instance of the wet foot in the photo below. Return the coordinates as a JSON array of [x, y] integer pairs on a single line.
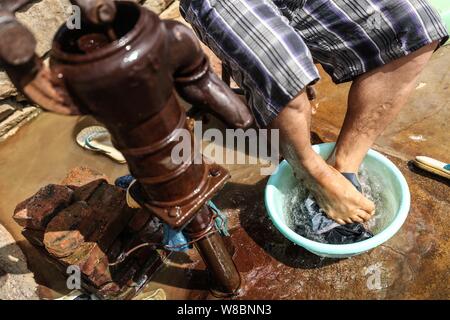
[[337, 196]]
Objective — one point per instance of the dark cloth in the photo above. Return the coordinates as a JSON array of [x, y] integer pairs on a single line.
[[326, 228]]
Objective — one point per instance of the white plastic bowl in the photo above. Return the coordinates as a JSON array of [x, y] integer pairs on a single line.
[[283, 180]]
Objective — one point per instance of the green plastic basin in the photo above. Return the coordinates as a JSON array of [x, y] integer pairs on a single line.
[[393, 183]]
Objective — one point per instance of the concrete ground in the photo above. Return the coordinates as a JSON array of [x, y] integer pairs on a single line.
[[413, 264]]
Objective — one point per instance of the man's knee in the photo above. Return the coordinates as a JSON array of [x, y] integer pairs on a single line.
[[418, 59], [299, 103], [298, 106], [421, 57]]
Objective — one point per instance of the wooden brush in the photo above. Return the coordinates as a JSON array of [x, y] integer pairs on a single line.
[[434, 166]]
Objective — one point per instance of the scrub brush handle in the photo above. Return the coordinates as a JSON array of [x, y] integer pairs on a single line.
[[434, 166]]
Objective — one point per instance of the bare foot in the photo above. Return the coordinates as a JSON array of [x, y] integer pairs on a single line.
[[334, 193]]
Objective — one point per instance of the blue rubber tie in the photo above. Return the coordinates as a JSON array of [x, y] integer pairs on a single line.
[[221, 220], [176, 240], [173, 240], [124, 181]]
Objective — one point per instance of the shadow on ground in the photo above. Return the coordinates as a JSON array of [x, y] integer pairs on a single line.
[[254, 220]]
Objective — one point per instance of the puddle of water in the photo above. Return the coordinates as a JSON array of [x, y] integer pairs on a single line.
[[373, 188]]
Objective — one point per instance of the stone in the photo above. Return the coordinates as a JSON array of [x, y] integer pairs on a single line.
[[44, 18], [172, 12], [36, 211], [7, 89], [16, 280], [65, 232], [157, 6], [5, 111], [80, 176], [20, 116]]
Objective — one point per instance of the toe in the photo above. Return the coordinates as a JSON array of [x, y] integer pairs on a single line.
[[367, 205], [364, 215], [357, 219], [340, 221], [348, 220]]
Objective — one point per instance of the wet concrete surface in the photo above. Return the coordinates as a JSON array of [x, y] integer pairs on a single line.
[[413, 264]]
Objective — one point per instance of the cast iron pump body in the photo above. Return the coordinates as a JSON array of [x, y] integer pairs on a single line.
[[123, 67]]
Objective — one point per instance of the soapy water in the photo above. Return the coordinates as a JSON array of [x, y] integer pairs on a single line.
[[298, 219]]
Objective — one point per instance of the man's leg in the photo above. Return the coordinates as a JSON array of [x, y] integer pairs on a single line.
[[376, 46], [335, 194], [374, 100]]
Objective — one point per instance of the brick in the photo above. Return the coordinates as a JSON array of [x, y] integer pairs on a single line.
[[139, 220], [84, 192], [93, 263], [36, 211], [65, 232], [112, 214], [79, 176], [125, 271], [152, 232], [115, 250], [110, 290], [36, 237]]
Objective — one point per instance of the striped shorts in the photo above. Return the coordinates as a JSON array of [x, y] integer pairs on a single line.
[[269, 45]]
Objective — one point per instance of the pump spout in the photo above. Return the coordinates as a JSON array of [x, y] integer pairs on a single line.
[[197, 83]]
